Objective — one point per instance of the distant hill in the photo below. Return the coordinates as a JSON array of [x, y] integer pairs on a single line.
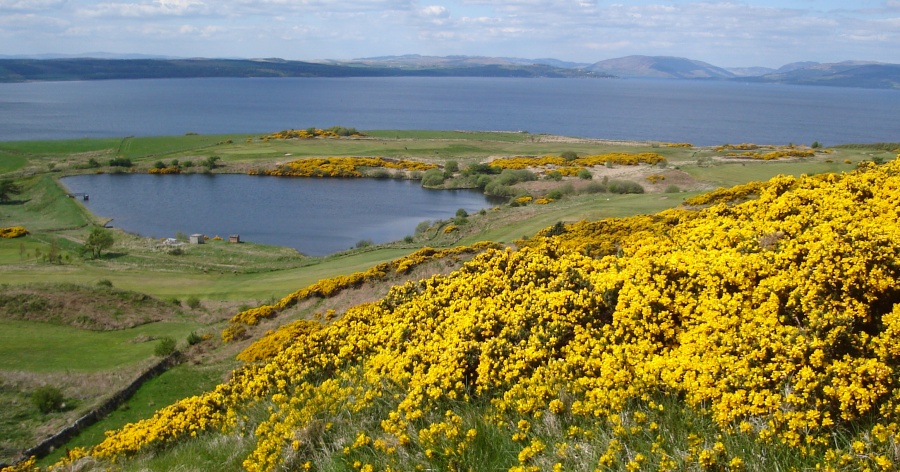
[[842, 74], [663, 67], [21, 70], [415, 60]]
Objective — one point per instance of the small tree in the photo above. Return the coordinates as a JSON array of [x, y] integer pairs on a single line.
[[7, 188], [211, 162], [98, 241], [569, 155]]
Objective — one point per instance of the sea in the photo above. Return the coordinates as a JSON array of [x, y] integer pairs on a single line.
[[694, 111]]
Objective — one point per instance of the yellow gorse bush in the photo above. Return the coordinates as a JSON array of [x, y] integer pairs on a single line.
[[340, 167], [328, 287], [571, 167], [164, 170], [750, 151], [13, 232], [777, 317]]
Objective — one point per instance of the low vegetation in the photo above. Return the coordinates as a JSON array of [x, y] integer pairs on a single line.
[[466, 387]]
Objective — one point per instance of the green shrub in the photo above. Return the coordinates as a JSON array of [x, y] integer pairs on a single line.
[[193, 302], [482, 169], [165, 346], [595, 187], [104, 283], [569, 155], [673, 189], [194, 338], [120, 162], [451, 166], [585, 174], [624, 186], [433, 178], [363, 243], [48, 399], [424, 226]]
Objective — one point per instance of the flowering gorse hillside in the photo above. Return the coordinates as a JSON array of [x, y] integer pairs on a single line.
[[759, 333]]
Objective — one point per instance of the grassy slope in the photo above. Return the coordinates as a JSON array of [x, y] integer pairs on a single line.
[[168, 387]]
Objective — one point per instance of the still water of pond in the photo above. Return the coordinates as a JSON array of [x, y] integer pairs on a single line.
[[314, 216]]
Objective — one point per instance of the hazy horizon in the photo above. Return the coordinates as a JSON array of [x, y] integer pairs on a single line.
[[748, 33]]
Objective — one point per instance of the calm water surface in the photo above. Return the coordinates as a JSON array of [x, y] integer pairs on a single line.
[[315, 216], [700, 112]]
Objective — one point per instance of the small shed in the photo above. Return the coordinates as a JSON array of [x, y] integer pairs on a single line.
[[197, 239], [234, 238]]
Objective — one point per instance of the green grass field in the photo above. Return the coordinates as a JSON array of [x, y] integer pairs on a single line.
[[42, 347]]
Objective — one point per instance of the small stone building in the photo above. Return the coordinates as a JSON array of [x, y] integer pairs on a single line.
[[234, 238], [197, 239]]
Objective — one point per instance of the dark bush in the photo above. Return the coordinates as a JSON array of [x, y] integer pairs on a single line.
[[165, 346], [482, 169], [194, 338], [433, 178], [193, 302], [624, 186], [48, 399]]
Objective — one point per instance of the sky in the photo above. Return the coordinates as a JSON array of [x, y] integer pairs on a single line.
[[737, 33]]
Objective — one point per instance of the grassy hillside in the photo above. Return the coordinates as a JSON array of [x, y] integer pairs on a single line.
[[754, 330], [201, 289]]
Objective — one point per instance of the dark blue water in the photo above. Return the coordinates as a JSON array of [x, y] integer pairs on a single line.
[[315, 216], [700, 112]]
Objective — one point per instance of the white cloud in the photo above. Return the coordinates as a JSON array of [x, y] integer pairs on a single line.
[[156, 8], [31, 5], [435, 11]]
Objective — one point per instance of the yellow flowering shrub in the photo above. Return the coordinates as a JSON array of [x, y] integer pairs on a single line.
[[524, 200], [340, 167], [328, 287], [751, 151], [572, 167], [776, 318], [275, 341], [13, 232], [309, 134], [164, 170]]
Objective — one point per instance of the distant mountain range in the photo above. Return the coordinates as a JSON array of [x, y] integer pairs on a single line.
[[106, 66]]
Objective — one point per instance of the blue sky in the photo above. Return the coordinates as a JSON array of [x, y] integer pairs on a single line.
[[725, 33]]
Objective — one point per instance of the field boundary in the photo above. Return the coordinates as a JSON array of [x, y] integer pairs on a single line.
[[63, 436]]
